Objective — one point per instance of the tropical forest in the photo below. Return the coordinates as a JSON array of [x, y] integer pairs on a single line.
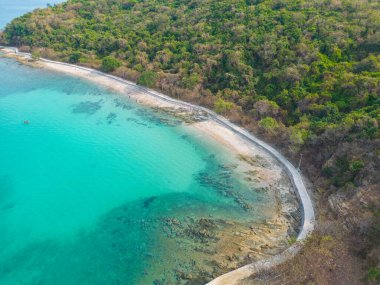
[[303, 75]]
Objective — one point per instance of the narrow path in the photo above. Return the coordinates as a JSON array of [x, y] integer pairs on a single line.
[[308, 219]]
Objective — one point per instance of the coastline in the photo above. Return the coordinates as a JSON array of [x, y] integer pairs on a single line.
[[233, 137]]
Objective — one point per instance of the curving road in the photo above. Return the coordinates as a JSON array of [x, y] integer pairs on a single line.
[[308, 218]]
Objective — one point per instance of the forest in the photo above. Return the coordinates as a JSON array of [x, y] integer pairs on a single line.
[[303, 74]]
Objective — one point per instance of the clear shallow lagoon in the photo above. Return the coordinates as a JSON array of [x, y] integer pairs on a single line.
[[88, 187]]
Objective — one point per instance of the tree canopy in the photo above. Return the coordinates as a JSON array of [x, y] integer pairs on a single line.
[[304, 72]]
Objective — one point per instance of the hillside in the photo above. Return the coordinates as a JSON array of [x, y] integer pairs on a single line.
[[303, 74]]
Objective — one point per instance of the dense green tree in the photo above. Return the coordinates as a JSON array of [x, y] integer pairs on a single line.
[[109, 63], [147, 78], [74, 57]]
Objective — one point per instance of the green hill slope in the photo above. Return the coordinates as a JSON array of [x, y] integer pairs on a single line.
[[303, 73]]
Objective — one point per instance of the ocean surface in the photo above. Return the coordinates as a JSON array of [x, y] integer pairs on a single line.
[[95, 189], [10, 9]]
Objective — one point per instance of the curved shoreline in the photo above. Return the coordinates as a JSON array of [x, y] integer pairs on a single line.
[[308, 217]]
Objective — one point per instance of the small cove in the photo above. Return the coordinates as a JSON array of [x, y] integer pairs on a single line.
[[110, 190]]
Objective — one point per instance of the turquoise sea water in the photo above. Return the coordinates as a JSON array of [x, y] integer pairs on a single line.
[[10, 9], [87, 187]]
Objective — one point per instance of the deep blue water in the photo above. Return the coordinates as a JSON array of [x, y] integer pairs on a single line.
[[10, 9]]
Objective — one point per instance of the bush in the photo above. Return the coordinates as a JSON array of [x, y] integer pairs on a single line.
[[268, 123], [127, 5], [147, 78], [109, 64], [292, 240], [74, 57], [222, 107], [373, 274], [190, 81], [36, 54], [356, 165], [297, 136], [266, 107]]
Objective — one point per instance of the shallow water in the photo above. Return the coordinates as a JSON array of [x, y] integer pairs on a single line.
[[87, 187]]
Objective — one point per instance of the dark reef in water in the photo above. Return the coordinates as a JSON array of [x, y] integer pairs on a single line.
[[87, 107], [111, 118], [119, 103]]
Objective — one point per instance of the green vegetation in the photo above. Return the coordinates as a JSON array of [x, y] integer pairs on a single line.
[[343, 171], [147, 78], [304, 73], [292, 240], [221, 106], [36, 55], [373, 274], [268, 123], [109, 63], [75, 57]]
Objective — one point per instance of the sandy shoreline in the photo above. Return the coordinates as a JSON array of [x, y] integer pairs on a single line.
[[236, 140], [208, 128]]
